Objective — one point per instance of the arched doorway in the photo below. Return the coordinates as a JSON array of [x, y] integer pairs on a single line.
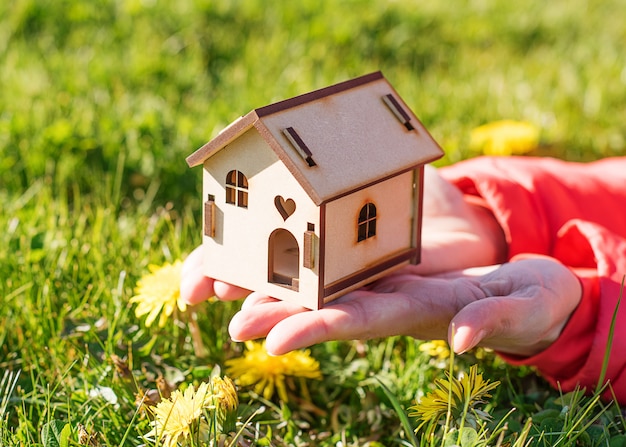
[[283, 259]]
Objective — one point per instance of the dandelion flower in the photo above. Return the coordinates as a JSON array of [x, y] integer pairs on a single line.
[[158, 293], [267, 373], [184, 414], [224, 401], [436, 348], [224, 393], [462, 396], [505, 137], [176, 418]]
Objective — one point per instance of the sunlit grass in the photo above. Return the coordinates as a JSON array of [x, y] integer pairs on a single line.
[[102, 100]]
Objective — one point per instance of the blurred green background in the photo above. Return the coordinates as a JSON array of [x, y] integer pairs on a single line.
[[94, 88]]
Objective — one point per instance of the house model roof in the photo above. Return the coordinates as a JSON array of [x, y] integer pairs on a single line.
[[337, 139]]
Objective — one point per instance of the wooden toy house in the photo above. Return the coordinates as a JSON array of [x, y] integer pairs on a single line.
[[311, 197]]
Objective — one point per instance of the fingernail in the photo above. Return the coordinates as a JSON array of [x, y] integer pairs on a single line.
[[477, 339], [460, 343]]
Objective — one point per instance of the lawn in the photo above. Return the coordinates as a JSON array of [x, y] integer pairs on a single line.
[[102, 100]]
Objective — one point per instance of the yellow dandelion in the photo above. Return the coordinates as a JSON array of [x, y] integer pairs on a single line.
[[224, 393], [180, 416], [158, 293], [462, 396], [436, 348], [224, 401], [506, 137], [267, 373]]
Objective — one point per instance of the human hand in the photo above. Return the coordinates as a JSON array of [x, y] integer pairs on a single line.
[[195, 287], [518, 308], [456, 234]]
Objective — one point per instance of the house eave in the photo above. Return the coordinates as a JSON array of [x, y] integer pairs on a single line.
[[223, 139], [381, 179], [418, 146]]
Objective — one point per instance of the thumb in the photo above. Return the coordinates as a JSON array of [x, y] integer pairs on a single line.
[[527, 305], [500, 323]]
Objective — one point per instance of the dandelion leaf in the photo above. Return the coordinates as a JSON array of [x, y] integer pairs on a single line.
[[618, 441], [468, 437], [56, 434]]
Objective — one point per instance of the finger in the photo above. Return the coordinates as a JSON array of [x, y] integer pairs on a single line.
[[530, 302], [507, 324], [195, 287], [365, 316], [256, 298], [260, 316], [227, 292], [465, 337]]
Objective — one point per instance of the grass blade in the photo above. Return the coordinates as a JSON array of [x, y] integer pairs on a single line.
[[609, 342], [404, 420], [7, 385]]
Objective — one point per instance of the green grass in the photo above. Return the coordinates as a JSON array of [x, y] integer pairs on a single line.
[[100, 102]]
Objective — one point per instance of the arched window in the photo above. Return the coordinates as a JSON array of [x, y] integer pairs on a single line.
[[237, 189], [367, 222]]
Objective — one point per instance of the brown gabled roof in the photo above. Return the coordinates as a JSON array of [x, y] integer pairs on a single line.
[[337, 139]]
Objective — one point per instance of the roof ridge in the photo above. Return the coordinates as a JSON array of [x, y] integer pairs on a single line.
[[318, 94]]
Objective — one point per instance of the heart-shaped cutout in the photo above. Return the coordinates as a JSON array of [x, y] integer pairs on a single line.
[[285, 207]]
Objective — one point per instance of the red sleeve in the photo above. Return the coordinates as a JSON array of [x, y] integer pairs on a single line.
[[576, 213]]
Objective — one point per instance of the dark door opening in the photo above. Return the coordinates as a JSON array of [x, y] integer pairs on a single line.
[[283, 259]]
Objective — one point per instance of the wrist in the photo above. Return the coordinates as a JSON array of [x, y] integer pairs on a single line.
[[492, 231]]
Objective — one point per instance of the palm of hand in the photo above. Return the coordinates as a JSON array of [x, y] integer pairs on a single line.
[[456, 235], [509, 309]]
